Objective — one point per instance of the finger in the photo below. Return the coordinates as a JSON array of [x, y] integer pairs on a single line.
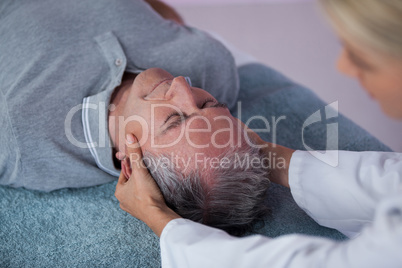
[[132, 144], [135, 154], [133, 149], [125, 168], [120, 156], [122, 179], [253, 139]]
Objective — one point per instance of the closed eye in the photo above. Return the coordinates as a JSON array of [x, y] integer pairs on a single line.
[[206, 102], [177, 122], [173, 114], [215, 104], [175, 119], [220, 105]]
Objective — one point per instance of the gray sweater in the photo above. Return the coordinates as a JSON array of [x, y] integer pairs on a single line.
[[53, 54]]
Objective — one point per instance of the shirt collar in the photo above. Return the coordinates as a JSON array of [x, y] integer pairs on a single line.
[[95, 123]]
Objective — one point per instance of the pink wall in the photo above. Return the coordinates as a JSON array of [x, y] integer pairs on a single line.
[[227, 2]]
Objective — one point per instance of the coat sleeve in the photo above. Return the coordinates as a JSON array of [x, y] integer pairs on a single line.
[[377, 216], [344, 196]]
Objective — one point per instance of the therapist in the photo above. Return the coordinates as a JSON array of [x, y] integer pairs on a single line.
[[361, 197]]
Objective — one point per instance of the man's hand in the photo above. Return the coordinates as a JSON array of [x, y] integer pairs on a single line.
[[167, 12], [139, 194]]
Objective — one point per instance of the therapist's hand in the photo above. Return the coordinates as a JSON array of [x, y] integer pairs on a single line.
[[280, 162], [278, 155], [138, 193]]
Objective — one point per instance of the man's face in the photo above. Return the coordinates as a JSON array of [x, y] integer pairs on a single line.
[[170, 117]]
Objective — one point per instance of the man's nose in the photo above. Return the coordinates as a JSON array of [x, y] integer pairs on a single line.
[[180, 92]]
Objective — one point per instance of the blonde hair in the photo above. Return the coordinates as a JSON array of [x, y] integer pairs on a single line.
[[373, 23]]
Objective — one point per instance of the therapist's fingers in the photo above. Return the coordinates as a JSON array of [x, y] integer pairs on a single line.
[[125, 168], [122, 179], [120, 156], [134, 153], [139, 193], [140, 176], [254, 138], [123, 190]]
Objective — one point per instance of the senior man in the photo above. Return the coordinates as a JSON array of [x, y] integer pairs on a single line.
[[205, 164], [77, 83], [60, 65]]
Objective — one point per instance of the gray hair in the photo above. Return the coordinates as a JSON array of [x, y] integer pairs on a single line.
[[231, 197]]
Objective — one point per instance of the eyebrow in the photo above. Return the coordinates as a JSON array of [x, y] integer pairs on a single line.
[[176, 124]]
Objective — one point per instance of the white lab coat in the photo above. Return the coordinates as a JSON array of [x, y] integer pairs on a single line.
[[362, 198]]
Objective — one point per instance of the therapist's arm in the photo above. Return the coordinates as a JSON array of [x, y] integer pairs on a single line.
[[363, 191], [338, 189], [189, 244], [341, 189], [139, 195]]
